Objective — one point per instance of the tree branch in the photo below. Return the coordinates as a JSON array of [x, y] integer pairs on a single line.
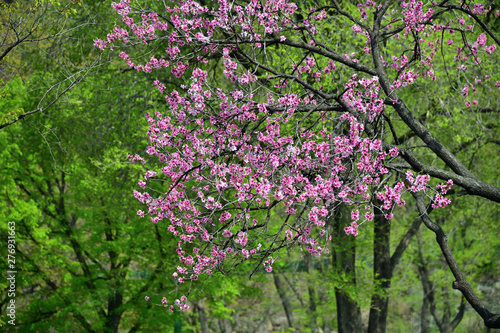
[[490, 320]]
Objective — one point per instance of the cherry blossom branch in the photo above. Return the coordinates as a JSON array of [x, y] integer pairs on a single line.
[[474, 16], [437, 147], [324, 50], [288, 76], [349, 16], [473, 186]]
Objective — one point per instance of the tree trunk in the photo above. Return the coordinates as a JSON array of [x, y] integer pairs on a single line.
[[343, 260], [312, 293], [324, 299], [444, 324], [424, 315], [382, 273], [225, 326], [113, 317], [202, 316], [284, 298], [348, 314], [178, 321]]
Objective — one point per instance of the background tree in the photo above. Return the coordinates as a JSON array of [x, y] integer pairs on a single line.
[[80, 268], [35, 35]]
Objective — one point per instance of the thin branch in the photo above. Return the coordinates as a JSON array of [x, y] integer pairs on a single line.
[[490, 320]]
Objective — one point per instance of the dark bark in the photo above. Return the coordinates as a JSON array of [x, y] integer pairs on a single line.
[[343, 260], [115, 300], [324, 299], [203, 320], [460, 315], [348, 314], [382, 271], [295, 291], [403, 243], [287, 306], [463, 176], [327, 326], [471, 184], [384, 266], [491, 320], [404, 113], [444, 323], [476, 18]]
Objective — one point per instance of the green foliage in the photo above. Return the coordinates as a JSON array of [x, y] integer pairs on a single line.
[[11, 96], [80, 242], [67, 184]]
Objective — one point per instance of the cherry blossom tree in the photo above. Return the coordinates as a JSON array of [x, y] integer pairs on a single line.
[[298, 110]]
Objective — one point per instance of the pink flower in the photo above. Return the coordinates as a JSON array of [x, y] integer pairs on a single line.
[[356, 29], [242, 238], [490, 49], [481, 40], [100, 44], [352, 229]]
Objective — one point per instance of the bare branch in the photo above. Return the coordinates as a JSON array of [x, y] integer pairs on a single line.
[[490, 320]]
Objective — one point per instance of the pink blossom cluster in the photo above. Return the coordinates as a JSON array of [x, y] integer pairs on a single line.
[[439, 201], [417, 16], [414, 15], [181, 303], [363, 96], [230, 153]]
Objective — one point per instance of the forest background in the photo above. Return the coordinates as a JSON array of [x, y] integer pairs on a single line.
[[69, 116]]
